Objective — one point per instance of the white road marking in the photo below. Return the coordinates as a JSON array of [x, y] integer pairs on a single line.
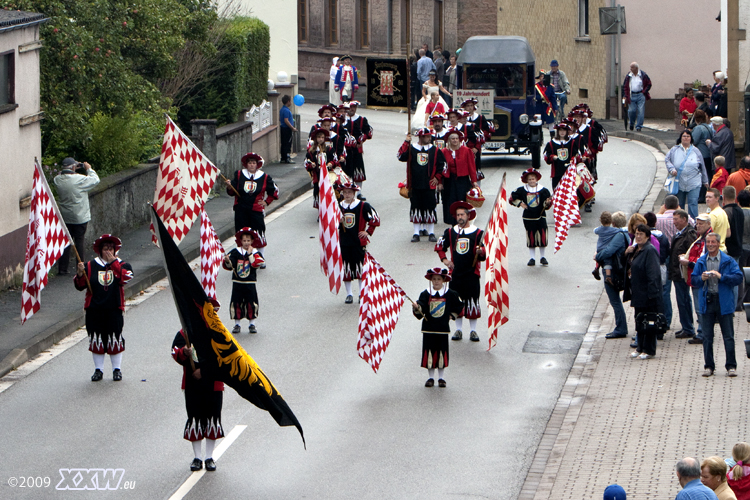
[[196, 476]]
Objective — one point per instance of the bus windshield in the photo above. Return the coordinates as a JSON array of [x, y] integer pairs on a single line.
[[508, 80]]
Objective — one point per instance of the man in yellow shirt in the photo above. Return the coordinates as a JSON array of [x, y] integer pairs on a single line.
[[719, 219]]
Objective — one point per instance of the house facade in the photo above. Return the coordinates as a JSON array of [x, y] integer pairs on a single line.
[[20, 134]]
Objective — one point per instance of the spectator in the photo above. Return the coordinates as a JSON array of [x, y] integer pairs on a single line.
[[664, 252], [333, 96], [286, 120], [449, 80], [741, 178], [685, 162], [427, 51], [722, 143], [719, 219], [714, 475], [643, 288], [687, 107], [615, 492], [681, 243], [446, 59], [719, 95], [613, 250], [687, 263], [664, 219], [721, 176], [689, 475], [437, 53], [424, 66], [560, 84], [743, 198], [739, 477], [701, 132], [439, 64], [73, 186], [700, 100], [736, 224], [716, 274], [635, 91]]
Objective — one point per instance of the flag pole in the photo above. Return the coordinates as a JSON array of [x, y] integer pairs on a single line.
[[169, 277], [64, 226], [230, 184]]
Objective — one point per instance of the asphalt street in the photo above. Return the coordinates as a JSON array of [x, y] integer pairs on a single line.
[[379, 436]]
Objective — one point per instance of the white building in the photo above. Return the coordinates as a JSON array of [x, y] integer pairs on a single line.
[[20, 134]]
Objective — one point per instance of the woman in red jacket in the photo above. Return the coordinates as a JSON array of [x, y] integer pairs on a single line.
[[460, 173]]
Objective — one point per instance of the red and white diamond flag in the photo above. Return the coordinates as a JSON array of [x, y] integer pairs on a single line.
[[565, 206], [185, 178], [381, 299], [496, 266], [47, 238], [212, 254], [329, 215]]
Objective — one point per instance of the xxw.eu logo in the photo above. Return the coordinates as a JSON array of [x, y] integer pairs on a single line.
[[90, 479]]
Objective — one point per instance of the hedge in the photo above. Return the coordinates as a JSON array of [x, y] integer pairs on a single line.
[[242, 79]]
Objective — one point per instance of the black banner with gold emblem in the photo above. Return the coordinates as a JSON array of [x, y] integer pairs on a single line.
[[219, 354], [387, 83]]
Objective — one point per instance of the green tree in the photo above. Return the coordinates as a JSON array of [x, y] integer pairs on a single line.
[[100, 67]]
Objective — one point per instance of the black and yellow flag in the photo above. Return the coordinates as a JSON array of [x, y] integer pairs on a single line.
[[219, 354]]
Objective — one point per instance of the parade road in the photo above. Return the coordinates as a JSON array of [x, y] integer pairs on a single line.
[[369, 436]]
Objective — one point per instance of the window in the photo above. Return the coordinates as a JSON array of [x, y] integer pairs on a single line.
[[302, 20], [333, 22], [583, 18], [437, 36], [7, 79], [507, 79], [364, 23]]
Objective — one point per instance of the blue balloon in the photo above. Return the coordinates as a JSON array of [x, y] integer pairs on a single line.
[[299, 100]]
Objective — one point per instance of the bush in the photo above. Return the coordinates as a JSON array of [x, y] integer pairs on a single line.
[[119, 142]]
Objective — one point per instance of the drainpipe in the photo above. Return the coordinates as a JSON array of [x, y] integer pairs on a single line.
[[389, 26]]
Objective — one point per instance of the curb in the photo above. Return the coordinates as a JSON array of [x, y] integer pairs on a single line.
[[557, 433], [144, 279]]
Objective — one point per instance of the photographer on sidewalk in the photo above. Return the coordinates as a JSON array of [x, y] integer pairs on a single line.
[[73, 185]]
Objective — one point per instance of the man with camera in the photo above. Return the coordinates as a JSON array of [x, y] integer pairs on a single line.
[[716, 274], [73, 185]]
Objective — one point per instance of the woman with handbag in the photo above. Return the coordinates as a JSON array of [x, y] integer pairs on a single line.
[[644, 290], [686, 169], [701, 132]]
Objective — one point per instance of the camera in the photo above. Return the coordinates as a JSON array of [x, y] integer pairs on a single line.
[[80, 168]]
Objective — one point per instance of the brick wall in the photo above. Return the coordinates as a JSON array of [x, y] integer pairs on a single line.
[[552, 32], [314, 57], [477, 17]]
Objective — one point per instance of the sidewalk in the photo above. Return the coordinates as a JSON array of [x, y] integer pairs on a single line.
[[61, 310], [626, 421]]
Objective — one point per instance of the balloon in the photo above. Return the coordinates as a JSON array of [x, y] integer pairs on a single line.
[[299, 100]]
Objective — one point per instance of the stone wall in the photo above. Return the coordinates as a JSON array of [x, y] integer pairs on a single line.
[[553, 34]]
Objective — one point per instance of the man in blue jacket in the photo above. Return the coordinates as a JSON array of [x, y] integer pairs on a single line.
[[716, 273]]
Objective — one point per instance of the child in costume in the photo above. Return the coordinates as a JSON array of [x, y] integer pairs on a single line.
[[203, 401], [436, 306], [535, 200], [243, 261]]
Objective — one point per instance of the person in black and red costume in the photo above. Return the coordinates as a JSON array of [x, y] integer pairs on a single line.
[[326, 111], [483, 129], [423, 177], [436, 307], [546, 101], [358, 221], [464, 241], [439, 131], [359, 131], [243, 262], [203, 401], [253, 191], [105, 303], [559, 151], [319, 153]]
